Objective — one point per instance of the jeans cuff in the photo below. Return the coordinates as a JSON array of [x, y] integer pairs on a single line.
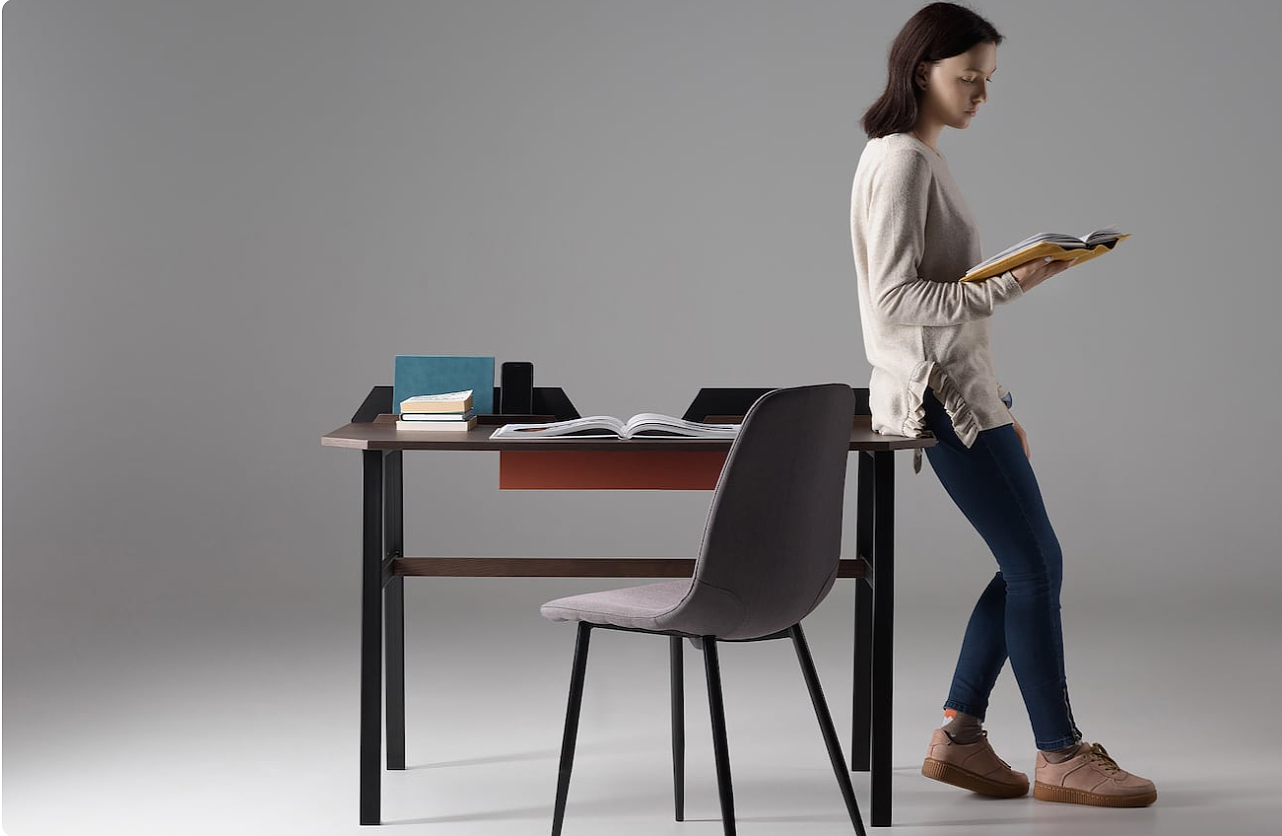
[[1062, 743], [966, 709]]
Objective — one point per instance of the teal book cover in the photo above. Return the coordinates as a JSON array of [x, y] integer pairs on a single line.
[[418, 374]]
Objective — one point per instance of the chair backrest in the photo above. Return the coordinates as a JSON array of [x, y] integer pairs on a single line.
[[772, 542]]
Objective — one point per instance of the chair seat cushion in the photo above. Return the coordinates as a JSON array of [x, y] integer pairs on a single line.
[[652, 606]]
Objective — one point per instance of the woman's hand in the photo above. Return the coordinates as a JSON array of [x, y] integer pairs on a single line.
[[1023, 439], [1032, 273]]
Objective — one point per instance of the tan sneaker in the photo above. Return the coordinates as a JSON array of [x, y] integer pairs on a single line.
[[1091, 777], [972, 766]]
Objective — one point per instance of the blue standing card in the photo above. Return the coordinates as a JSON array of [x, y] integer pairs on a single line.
[[431, 375]]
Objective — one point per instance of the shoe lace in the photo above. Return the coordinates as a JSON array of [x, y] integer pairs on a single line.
[[1100, 755]]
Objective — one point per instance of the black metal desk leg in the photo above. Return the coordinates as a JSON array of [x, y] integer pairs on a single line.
[[371, 634], [394, 610], [861, 702], [883, 633]]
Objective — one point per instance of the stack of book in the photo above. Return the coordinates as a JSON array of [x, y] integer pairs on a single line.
[[447, 411]]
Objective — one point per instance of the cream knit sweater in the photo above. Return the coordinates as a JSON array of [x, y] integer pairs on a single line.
[[913, 236]]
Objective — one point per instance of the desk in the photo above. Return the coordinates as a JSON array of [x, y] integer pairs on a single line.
[[385, 566]]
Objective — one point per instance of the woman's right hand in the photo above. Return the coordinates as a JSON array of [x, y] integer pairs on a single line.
[[1032, 273]]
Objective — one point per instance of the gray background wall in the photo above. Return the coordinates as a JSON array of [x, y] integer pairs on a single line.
[[223, 220]]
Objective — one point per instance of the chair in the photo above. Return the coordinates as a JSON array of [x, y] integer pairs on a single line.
[[769, 556]]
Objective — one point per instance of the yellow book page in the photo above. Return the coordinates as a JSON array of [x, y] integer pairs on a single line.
[[1040, 250]]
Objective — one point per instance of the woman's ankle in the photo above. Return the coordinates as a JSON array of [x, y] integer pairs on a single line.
[[1061, 755], [962, 727]]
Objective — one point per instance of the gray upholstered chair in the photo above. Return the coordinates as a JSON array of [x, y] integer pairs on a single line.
[[770, 552]]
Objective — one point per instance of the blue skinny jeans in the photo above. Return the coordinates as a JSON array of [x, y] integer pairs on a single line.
[[1018, 614]]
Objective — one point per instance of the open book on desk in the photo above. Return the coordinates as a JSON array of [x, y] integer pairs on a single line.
[[644, 424], [1058, 246]]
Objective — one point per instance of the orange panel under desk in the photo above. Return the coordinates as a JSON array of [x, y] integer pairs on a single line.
[[693, 470]]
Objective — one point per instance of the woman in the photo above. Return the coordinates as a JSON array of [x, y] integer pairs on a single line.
[[926, 336]]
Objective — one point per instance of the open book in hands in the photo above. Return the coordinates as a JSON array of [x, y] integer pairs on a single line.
[[642, 424], [1058, 246]]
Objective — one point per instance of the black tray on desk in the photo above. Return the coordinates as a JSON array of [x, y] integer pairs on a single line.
[[550, 404]]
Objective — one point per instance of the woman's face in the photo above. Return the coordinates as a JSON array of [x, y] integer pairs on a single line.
[[955, 87]]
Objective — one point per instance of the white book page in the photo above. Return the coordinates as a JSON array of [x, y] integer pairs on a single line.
[[1099, 236], [649, 421], [606, 425]]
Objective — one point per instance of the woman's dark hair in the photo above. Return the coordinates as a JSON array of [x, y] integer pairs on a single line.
[[937, 31]]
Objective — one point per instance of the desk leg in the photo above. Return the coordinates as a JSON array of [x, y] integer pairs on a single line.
[[861, 702], [883, 633], [394, 610], [371, 635]]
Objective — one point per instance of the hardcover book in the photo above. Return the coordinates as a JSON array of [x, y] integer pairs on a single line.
[[1058, 246], [445, 402]]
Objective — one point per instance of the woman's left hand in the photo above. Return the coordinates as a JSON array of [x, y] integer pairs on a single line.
[[1023, 439]]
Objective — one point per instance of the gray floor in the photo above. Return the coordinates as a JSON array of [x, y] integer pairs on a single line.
[[247, 723]]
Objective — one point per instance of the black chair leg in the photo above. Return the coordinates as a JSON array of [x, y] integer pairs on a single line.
[[678, 728], [571, 724], [721, 750], [826, 726]]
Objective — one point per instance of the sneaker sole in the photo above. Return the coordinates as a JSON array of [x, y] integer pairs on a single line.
[[958, 777], [1048, 792]]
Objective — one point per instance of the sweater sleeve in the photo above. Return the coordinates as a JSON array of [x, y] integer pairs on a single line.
[[896, 243]]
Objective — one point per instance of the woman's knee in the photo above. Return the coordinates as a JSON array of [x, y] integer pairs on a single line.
[[1034, 582], [1041, 576]]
